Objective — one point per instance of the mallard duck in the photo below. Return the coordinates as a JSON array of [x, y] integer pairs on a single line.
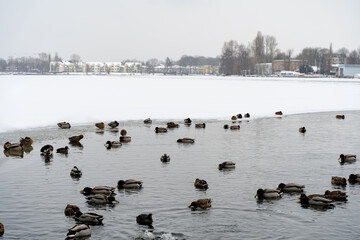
[[46, 150], [247, 115], [239, 116], [186, 140], [201, 203], [129, 184], [199, 183], [13, 146], [290, 187], [26, 142], [340, 116], [64, 150], [160, 130], [338, 181], [113, 124], [187, 121], [226, 165], [113, 144], [75, 139], [226, 126], [302, 129], [165, 158], [279, 113], [64, 125], [70, 210], [75, 172], [172, 125], [79, 231], [144, 219], [100, 199], [100, 125], [2, 229], [103, 190], [125, 139], [315, 200], [233, 118], [148, 121], [267, 194], [200, 125], [88, 218], [235, 127], [347, 158], [123, 132], [354, 178], [335, 195]]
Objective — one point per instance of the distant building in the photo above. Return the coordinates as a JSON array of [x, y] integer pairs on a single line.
[[286, 65], [348, 70], [263, 68]]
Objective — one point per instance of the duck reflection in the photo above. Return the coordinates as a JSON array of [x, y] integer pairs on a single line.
[[76, 144], [14, 153], [28, 149], [47, 158]]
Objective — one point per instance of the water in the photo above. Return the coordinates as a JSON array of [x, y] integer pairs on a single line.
[[266, 151]]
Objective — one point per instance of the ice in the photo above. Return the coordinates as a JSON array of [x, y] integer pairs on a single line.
[[29, 101]]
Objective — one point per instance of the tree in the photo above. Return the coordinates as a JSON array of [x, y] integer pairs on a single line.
[[3, 65], [227, 58], [75, 59], [168, 62], [270, 48], [353, 58], [289, 52], [258, 48]]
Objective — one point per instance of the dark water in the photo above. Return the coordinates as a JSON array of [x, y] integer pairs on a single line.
[[268, 151]]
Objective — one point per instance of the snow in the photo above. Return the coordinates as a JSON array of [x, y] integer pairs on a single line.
[[35, 101]]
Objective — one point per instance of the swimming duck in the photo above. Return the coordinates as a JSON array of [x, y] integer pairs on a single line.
[[75, 139], [239, 116], [267, 194], [302, 129], [100, 125], [78, 231], [123, 132], [335, 195], [165, 158], [279, 113], [226, 165], [88, 218], [340, 116], [185, 140], [354, 178], [64, 150], [148, 121], [129, 184], [113, 144], [247, 115], [100, 199], [315, 201], [201, 203], [70, 210], [75, 172], [226, 126], [235, 127], [13, 146], [27, 141], [172, 125], [144, 219], [125, 139], [113, 124], [200, 125], [46, 150], [200, 183], [290, 187], [2, 229], [347, 158], [64, 125], [233, 118], [338, 181], [104, 190], [160, 130], [187, 121]]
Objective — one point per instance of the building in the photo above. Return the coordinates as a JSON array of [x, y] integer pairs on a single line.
[[286, 65], [348, 70], [263, 68]]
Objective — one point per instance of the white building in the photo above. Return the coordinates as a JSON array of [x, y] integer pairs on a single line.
[[263, 68], [348, 70]]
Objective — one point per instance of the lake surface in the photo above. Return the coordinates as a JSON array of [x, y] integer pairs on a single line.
[[266, 151]]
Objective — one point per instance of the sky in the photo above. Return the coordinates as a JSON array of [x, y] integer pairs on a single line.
[[116, 30]]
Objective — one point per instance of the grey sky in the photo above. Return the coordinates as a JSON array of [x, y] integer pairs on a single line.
[[114, 30]]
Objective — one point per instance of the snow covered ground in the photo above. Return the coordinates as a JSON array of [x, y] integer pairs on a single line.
[[35, 101]]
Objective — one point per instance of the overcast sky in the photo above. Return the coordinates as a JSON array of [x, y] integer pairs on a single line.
[[115, 30]]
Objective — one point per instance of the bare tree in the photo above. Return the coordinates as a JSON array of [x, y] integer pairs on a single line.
[[75, 59], [258, 48], [289, 53], [270, 48]]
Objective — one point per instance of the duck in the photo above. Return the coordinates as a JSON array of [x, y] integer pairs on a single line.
[[144, 219], [64, 125], [123, 132], [75, 172], [233, 118], [76, 139], [100, 199], [100, 125], [64, 150], [226, 126], [235, 127], [336, 195], [13, 146], [340, 116], [354, 178], [315, 200], [113, 124], [88, 218], [148, 121], [302, 129], [338, 181], [200, 125], [279, 113], [26, 142], [2, 229], [165, 158], [267, 194], [70, 210], [247, 115], [239, 115], [172, 125], [186, 140], [200, 183], [79, 231], [187, 121], [47, 150], [103, 190], [125, 139], [347, 158], [290, 187], [129, 184], [113, 144], [160, 130], [201, 203], [226, 165]]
